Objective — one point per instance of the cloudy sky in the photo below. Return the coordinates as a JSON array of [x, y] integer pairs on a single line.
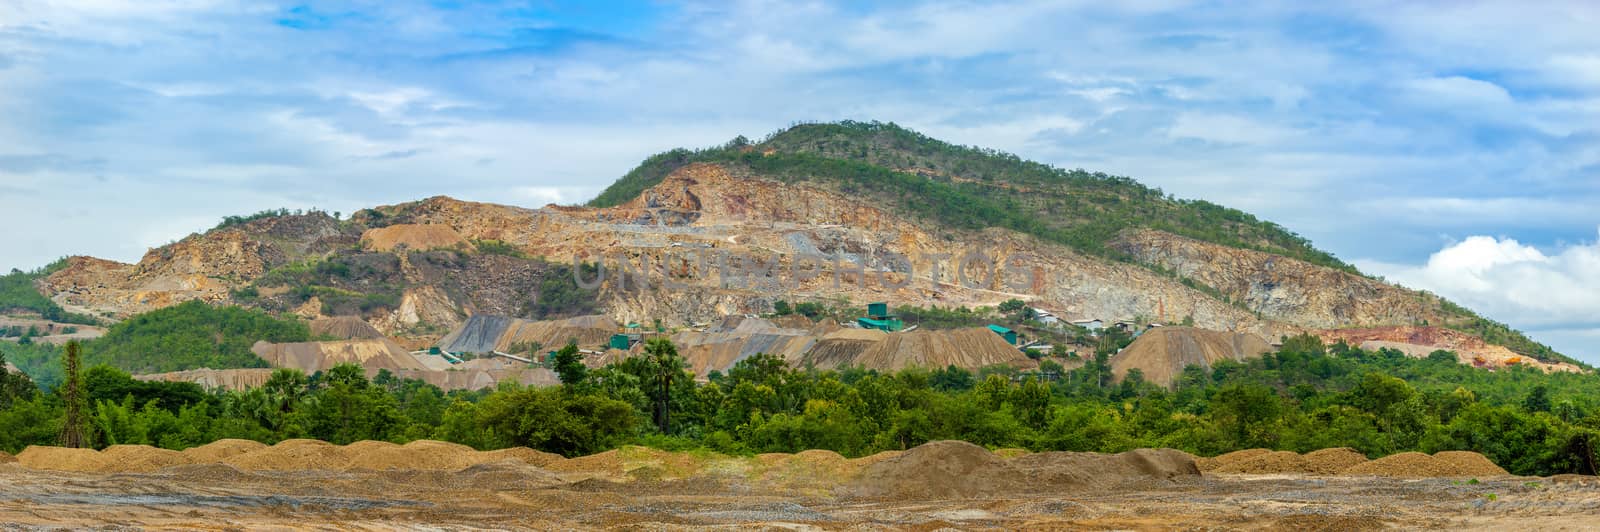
[[1451, 146]]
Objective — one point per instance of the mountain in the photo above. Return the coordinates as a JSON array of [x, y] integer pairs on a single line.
[[907, 207]]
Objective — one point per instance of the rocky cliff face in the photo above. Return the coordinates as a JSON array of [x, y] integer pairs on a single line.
[[692, 230], [1281, 288]]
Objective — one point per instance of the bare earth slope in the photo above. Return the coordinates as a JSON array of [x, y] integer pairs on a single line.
[[1163, 352]]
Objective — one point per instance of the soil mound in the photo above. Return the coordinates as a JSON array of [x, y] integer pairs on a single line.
[[508, 474], [1333, 461], [416, 237], [220, 450], [1268, 463], [969, 348], [312, 357], [292, 455], [1062, 470], [1406, 465], [1211, 464], [525, 455], [1163, 352], [345, 328], [206, 473], [417, 455], [1471, 463], [141, 458], [938, 470], [484, 333], [6, 458], [62, 459]]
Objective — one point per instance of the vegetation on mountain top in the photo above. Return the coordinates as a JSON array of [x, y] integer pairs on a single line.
[[19, 293], [972, 188], [189, 335]]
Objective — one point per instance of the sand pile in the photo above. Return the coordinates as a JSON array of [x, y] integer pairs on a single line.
[[1212, 463], [969, 348], [1162, 353], [6, 458], [312, 357], [707, 351], [290, 455], [419, 455], [938, 470], [1054, 470], [521, 454], [952, 469], [345, 328], [1470, 463], [63, 459], [1410, 465], [483, 333], [141, 458], [220, 450], [416, 237], [1274, 462], [1333, 461]]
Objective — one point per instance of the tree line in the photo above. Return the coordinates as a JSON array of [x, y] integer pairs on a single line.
[[1304, 397]]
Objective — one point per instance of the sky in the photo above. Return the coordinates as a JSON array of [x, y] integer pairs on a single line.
[[1448, 146]]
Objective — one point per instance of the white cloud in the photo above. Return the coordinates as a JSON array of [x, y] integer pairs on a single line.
[[1510, 281], [1227, 129], [1458, 91]]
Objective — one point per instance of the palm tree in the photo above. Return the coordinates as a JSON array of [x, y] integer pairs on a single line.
[[666, 366]]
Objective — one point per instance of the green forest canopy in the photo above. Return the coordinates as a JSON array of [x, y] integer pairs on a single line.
[[1304, 397], [189, 335]]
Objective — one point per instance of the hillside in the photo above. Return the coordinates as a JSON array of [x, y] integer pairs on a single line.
[[1087, 246]]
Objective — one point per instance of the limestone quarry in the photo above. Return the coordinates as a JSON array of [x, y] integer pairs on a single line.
[[666, 256]]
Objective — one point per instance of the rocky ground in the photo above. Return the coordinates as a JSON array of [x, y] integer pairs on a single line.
[[939, 486]]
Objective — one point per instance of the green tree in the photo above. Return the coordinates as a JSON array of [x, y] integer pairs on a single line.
[[569, 365], [75, 425]]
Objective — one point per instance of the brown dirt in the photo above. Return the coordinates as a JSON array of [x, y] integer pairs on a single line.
[[62, 459], [1141, 489], [6, 458], [1333, 461], [1471, 463], [141, 458], [345, 328], [522, 454], [1212, 463], [416, 237], [1405, 465], [970, 348], [1275, 462], [1162, 353], [220, 450], [312, 357], [946, 469], [290, 455]]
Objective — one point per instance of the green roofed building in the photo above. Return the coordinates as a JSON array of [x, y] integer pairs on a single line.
[[889, 325], [1008, 334]]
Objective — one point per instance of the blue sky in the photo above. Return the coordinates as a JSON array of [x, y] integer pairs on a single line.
[[1450, 146]]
